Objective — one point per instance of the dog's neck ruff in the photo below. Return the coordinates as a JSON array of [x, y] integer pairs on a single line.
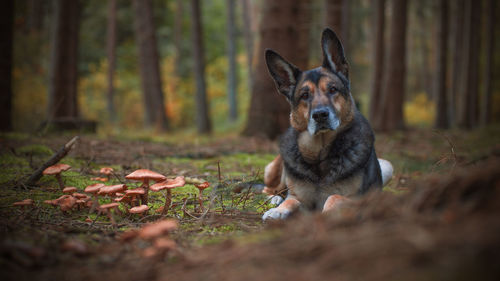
[[347, 153]]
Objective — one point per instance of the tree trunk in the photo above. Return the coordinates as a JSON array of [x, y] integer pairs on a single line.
[[441, 121], [395, 74], [202, 112], [179, 12], [6, 48], [488, 67], [378, 59], [149, 65], [231, 54], [333, 16], [284, 27], [248, 34], [346, 26], [63, 71], [470, 75], [111, 52], [457, 56]]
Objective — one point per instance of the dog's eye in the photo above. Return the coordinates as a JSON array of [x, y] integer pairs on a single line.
[[304, 95], [332, 90]]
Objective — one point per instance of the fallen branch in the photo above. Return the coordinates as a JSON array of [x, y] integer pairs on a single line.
[[53, 160]]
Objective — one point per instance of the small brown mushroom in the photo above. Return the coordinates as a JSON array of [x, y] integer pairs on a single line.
[[139, 209], [94, 189], [201, 187], [168, 185], [111, 189], [106, 208], [56, 170], [154, 230], [164, 244], [134, 194], [107, 171], [145, 176], [66, 202], [69, 189], [23, 204]]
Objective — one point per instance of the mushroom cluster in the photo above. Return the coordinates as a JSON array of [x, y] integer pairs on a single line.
[[134, 201]]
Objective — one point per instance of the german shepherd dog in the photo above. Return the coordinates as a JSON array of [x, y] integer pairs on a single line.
[[327, 155]]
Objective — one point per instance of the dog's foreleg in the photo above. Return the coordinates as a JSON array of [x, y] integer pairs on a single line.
[[333, 202], [386, 170], [282, 211]]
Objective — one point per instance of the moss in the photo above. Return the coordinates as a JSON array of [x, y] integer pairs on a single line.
[[35, 150]]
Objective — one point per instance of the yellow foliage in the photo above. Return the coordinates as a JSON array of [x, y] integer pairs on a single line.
[[420, 111]]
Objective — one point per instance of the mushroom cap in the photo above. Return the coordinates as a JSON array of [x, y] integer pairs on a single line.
[[202, 186], [135, 191], [106, 170], [66, 202], [51, 202], [154, 230], [123, 199], [169, 183], [56, 169], [94, 188], [109, 205], [25, 202], [145, 174], [70, 189], [139, 209], [112, 189], [80, 196], [165, 244]]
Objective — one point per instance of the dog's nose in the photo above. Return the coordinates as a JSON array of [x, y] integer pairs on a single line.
[[320, 114]]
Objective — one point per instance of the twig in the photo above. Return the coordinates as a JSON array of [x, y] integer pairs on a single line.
[[53, 160], [268, 199]]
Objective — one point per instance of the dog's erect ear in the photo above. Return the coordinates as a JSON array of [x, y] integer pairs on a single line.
[[285, 74], [333, 53]]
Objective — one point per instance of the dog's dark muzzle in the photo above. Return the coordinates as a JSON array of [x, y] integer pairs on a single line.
[[323, 119]]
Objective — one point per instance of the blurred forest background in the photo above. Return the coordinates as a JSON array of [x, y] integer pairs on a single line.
[[198, 66]]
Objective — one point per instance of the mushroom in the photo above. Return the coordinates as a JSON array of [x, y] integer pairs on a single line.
[[56, 170], [106, 208], [66, 202], [24, 203], [69, 189], [201, 187], [164, 244], [94, 189], [145, 176], [134, 194], [157, 229], [111, 189], [168, 185], [107, 171], [139, 209]]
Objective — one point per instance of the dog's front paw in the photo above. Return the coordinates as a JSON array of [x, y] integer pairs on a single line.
[[276, 214], [276, 199]]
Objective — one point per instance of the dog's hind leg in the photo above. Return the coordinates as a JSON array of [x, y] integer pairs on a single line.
[[333, 202], [386, 170]]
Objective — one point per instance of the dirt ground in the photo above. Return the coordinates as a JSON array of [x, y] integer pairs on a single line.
[[438, 221]]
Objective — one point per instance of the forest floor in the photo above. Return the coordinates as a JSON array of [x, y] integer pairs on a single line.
[[438, 219]]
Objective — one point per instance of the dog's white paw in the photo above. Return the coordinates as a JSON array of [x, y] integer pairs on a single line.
[[276, 214], [276, 200]]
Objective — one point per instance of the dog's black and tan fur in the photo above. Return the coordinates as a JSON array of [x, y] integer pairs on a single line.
[[327, 155]]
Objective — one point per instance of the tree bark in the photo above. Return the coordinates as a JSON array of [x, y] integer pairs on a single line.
[[457, 56], [284, 27], [111, 52], [179, 12], [149, 65], [333, 16], [63, 75], [488, 67], [378, 59], [470, 75], [202, 112], [440, 93], [248, 35], [231, 54], [395, 74], [6, 48]]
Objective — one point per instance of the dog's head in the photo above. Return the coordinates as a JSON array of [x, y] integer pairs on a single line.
[[320, 98]]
